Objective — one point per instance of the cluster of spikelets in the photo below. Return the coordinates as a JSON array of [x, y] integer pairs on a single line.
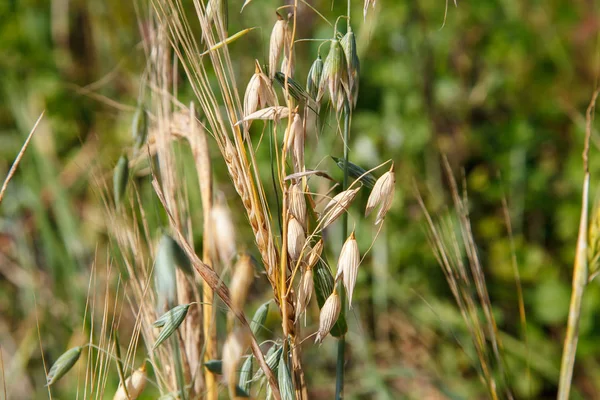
[[176, 319]]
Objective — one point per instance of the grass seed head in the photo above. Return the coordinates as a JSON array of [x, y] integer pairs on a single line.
[[135, 385], [348, 265], [295, 238], [329, 314], [348, 43], [337, 206], [139, 127], [259, 318], [298, 144], [335, 76], [382, 195], [259, 93], [314, 255], [63, 364], [314, 77], [223, 232], [279, 34], [284, 379], [304, 292], [164, 272], [233, 350], [169, 322], [298, 203], [243, 275], [367, 4]]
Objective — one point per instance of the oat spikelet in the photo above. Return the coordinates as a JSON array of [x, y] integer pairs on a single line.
[[243, 274], [294, 130], [304, 292], [329, 314], [295, 238], [348, 43], [314, 77], [314, 255], [348, 265], [259, 92], [223, 232], [382, 195], [367, 4], [278, 36], [135, 385], [236, 344], [273, 113], [298, 144], [335, 76], [298, 203], [337, 206]]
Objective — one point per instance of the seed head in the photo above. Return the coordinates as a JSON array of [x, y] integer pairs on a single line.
[[243, 275], [335, 76], [367, 4], [314, 254], [295, 238], [348, 43], [298, 144], [135, 385], [382, 195], [63, 364], [259, 93], [348, 265], [337, 206], [298, 203], [233, 350], [279, 35], [223, 232], [329, 314], [304, 291], [314, 77]]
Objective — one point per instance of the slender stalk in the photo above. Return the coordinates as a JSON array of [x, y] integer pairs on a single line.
[[341, 348], [580, 272]]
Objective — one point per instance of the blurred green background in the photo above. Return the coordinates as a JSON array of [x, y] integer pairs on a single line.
[[500, 89]]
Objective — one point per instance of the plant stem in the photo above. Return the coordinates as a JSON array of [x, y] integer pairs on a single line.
[[341, 348]]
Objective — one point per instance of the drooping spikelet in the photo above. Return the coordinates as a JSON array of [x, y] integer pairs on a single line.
[[279, 34], [367, 4], [348, 265], [243, 274], [304, 291], [295, 238], [348, 43], [298, 203], [329, 314], [314, 77], [259, 92], [335, 76], [337, 206], [233, 350], [382, 195], [224, 232], [314, 254], [135, 385]]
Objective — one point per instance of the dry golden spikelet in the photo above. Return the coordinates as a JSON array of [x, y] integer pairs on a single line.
[[367, 4], [273, 113], [295, 238], [298, 146], [279, 34], [348, 43], [305, 291], [259, 92], [594, 240], [297, 203], [234, 348], [223, 232], [135, 385], [292, 64], [335, 76], [243, 275], [348, 265], [296, 128], [337, 206], [328, 316], [314, 255], [382, 195]]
